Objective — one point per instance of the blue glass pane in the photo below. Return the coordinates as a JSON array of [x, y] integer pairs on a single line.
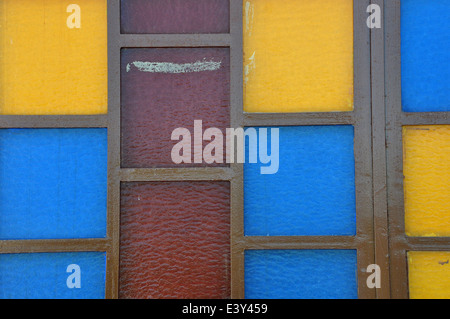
[[46, 276], [53, 183], [313, 192], [300, 274], [425, 35]]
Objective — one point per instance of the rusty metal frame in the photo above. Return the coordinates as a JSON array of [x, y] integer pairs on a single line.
[[399, 243], [360, 118]]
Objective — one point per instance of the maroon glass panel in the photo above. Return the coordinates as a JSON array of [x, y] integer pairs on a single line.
[[168, 88], [175, 16], [175, 240]]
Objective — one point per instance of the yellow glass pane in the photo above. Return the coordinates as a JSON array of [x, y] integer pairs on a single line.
[[426, 167], [429, 275], [53, 57], [298, 55]]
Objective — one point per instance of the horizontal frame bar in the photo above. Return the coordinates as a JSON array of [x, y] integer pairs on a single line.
[[176, 174], [428, 118], [299, 242], [173, 40], [425, 243], [54, 245], [299, 119], [54, 121]]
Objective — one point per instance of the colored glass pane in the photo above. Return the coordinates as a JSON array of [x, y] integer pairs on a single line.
[[425, 34], [53, 275], [429, 274], [313, 191], [166, 89], [53, 57], [175, 240], [175, 16], [53, 183], [426, 167], [298, 55], [300, 274]]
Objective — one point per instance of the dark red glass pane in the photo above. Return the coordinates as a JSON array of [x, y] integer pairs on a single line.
[[175, 16], [175, 240], [168, 88]]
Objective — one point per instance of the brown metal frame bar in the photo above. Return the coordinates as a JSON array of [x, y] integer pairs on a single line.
[[399, 243], [54, 245], [363, 147], [237, 182], [379, 157], [53, 121], [174, 40], [294, 119], [112, 263]]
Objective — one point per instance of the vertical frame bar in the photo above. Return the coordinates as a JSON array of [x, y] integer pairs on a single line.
[[363, 146], [379, 156], [237, 182], [398, 275], [113, 231]]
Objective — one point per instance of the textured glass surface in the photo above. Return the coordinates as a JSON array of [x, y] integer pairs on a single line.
[[47, 276], [313, 192], [175, 240], [175, 16], [300, 274], [53, 183], [426, 167], [48, 67], [425, 34], [429, 274], [166, 89], [298, 55]]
